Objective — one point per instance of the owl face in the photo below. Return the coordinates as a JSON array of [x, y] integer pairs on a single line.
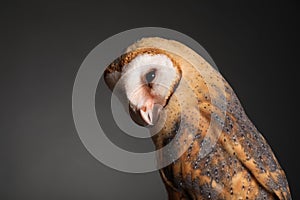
[[147, 82]]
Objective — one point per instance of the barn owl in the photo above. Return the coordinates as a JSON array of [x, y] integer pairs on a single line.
[[160, 77]]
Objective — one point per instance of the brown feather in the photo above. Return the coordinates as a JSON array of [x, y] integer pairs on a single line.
[[241, 164]]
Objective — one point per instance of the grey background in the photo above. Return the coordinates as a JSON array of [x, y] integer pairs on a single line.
[[43, 45]]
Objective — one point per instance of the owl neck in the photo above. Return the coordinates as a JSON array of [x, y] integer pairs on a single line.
[[188, 120], [185, 121]]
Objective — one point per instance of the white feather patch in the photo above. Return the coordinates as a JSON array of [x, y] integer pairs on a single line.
[[134, 73]]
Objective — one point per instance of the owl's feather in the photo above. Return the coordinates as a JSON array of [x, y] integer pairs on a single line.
[[240, 163]]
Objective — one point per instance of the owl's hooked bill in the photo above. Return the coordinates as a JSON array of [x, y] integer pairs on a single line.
[[147, 115]]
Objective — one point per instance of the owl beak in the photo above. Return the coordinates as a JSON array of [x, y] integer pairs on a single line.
[[147, 115], [150, 114]]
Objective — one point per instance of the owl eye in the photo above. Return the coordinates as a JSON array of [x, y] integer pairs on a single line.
[[150, 76]]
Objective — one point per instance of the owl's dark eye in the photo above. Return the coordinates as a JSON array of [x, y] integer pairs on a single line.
[[150, 76]]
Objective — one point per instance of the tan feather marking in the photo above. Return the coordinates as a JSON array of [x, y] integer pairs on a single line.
[[237, 163]]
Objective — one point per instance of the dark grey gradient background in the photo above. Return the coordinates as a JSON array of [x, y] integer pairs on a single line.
[[43, 45]]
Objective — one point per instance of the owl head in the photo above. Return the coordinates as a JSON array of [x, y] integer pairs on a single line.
[[146, 78]]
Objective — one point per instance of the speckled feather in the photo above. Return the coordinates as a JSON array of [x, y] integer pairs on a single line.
[[241, 164]]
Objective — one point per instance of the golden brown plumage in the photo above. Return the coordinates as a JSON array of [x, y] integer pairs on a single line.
[[240, 164]]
